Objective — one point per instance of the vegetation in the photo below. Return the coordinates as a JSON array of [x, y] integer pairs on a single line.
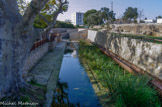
[[94, 17], [87, 14], [147, 38], [20, 28], [130, 14], [46, 13], [60, 24], [40, 23], [126, 90]]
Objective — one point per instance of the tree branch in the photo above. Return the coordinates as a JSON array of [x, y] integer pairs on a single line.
[[41, 16], [55, 15], [34, 8]]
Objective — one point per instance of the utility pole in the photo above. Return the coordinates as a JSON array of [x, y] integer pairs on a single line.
[[112, 6]]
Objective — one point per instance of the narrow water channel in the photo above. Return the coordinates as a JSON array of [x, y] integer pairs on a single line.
[[74, 87]]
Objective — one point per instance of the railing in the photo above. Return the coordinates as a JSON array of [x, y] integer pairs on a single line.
[[41, 42], [38, 43]]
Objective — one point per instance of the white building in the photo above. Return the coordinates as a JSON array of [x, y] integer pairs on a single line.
[[77, 18], [159, 20], [148, 21]]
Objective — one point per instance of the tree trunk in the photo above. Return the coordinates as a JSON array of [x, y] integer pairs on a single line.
[[14, 47], [17, 36]]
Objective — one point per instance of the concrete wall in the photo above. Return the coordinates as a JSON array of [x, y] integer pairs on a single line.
[[62, 30], [145, 55], [79, 35]]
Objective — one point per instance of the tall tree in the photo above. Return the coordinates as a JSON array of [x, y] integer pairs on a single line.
[[17, 35], [93, 17], [87, 14], [107, 15], [130, 14]]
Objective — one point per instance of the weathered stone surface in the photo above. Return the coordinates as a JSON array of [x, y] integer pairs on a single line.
[[79, 35], [145, 55], [138, 29], [134, 29], [62, 30], [33, 57]]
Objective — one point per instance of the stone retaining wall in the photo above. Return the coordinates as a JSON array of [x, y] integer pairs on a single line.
[[145, 55], [35, 55], [79, 35], [138, 29], [153, 29], [33, 58]]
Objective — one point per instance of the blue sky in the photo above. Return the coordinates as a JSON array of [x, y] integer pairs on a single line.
[[151, 8]]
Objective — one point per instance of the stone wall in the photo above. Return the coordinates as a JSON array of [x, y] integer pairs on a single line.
[[61, 30], [145, 55], [64, 31], [79, 35], [138, 29], [153, 29], [33, 57]]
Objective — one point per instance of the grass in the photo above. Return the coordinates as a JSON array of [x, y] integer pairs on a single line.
[[146, 38], [126, 90]]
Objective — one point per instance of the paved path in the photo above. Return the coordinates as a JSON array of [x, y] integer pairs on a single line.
[[46, 72]]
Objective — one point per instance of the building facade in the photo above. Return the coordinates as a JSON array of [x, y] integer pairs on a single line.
[[159, 20], [77, 18], [148, 21]]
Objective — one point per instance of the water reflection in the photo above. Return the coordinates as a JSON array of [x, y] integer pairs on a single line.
[[61, 96], [74, 87]]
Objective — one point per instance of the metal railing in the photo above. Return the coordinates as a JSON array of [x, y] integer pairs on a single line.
[[38, 44], [42, 42]]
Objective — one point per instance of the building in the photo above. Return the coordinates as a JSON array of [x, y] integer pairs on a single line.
[[148, 21], [159, 20], [77, 18]]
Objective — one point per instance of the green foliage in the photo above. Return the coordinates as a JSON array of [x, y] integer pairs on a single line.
[[60, 24], [125, 89], [130, 13], [93, 17], [107, 14], [22, 5], [47, 12], [40, 23], [87, 14], [158, 17], [49, 7]]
